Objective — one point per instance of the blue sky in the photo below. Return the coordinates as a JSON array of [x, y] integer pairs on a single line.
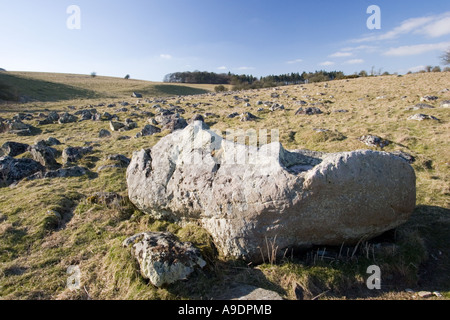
[[148, 39]]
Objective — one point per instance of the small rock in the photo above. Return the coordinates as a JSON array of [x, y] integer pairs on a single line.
[[116, 126], [67, 118], [247, 116], [60, 173], [276, 107], [374, 141], [428, 98], [44, 155], [162, 258], [105, 198], [136, 95], [149, 130], [104, 133], [122, 110], [13, 170], [233, 115], [302, 103], [73, 154], [445, 104], [198, 117], [119, 158], [308, 111], [420, 106], [425, 294], [13, 149], [50, 142], [422, 117], [247, 292]]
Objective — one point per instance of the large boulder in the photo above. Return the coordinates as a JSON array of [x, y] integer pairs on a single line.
[[247, 197], [162, 258]]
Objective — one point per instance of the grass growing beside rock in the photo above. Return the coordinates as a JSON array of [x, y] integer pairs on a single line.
[[48, 225]]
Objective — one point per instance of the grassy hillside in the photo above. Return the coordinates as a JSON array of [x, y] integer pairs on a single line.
[[48, 87], [36, 248]]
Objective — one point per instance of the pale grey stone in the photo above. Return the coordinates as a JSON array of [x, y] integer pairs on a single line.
[[162, 258], [245, 196]]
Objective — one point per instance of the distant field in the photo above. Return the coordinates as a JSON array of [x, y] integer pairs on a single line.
[[52, 87]]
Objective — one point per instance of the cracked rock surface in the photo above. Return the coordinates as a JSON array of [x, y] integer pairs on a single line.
[[162, 258], [246, 196]]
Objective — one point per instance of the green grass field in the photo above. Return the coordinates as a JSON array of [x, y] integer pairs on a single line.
[[36, 249], [50, 87]]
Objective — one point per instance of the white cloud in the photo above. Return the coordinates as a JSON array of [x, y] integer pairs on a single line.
[[294, 61], [354, 61], [222, 68], [165, 56], [340, 54], [416, 49], [432, 26], [326, 63], [245, 68], [439, 28], [360, 48]]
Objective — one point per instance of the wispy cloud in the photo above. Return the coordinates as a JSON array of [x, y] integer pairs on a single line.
[[354, 61], [340, 54], [416, 49], [294, 61], [222, 68], [326, 63], [165, 56], [432, 26], [360, 48], [245, 68], [439, 28]]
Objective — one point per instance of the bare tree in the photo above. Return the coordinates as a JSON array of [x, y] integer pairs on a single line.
[[446, 57]]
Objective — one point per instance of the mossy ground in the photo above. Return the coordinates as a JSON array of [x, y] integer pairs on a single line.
[[37, 247]]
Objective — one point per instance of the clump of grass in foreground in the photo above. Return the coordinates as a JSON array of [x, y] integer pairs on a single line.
[[342, 271]]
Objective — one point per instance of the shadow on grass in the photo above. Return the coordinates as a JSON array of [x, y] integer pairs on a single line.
[[416, 255], [174, 90], [40, 90], [223, 280]]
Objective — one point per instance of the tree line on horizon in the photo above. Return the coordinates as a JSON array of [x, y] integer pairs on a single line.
[[242, 82]]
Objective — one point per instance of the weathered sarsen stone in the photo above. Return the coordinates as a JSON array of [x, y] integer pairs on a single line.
[[162, 258], [246, 197]]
